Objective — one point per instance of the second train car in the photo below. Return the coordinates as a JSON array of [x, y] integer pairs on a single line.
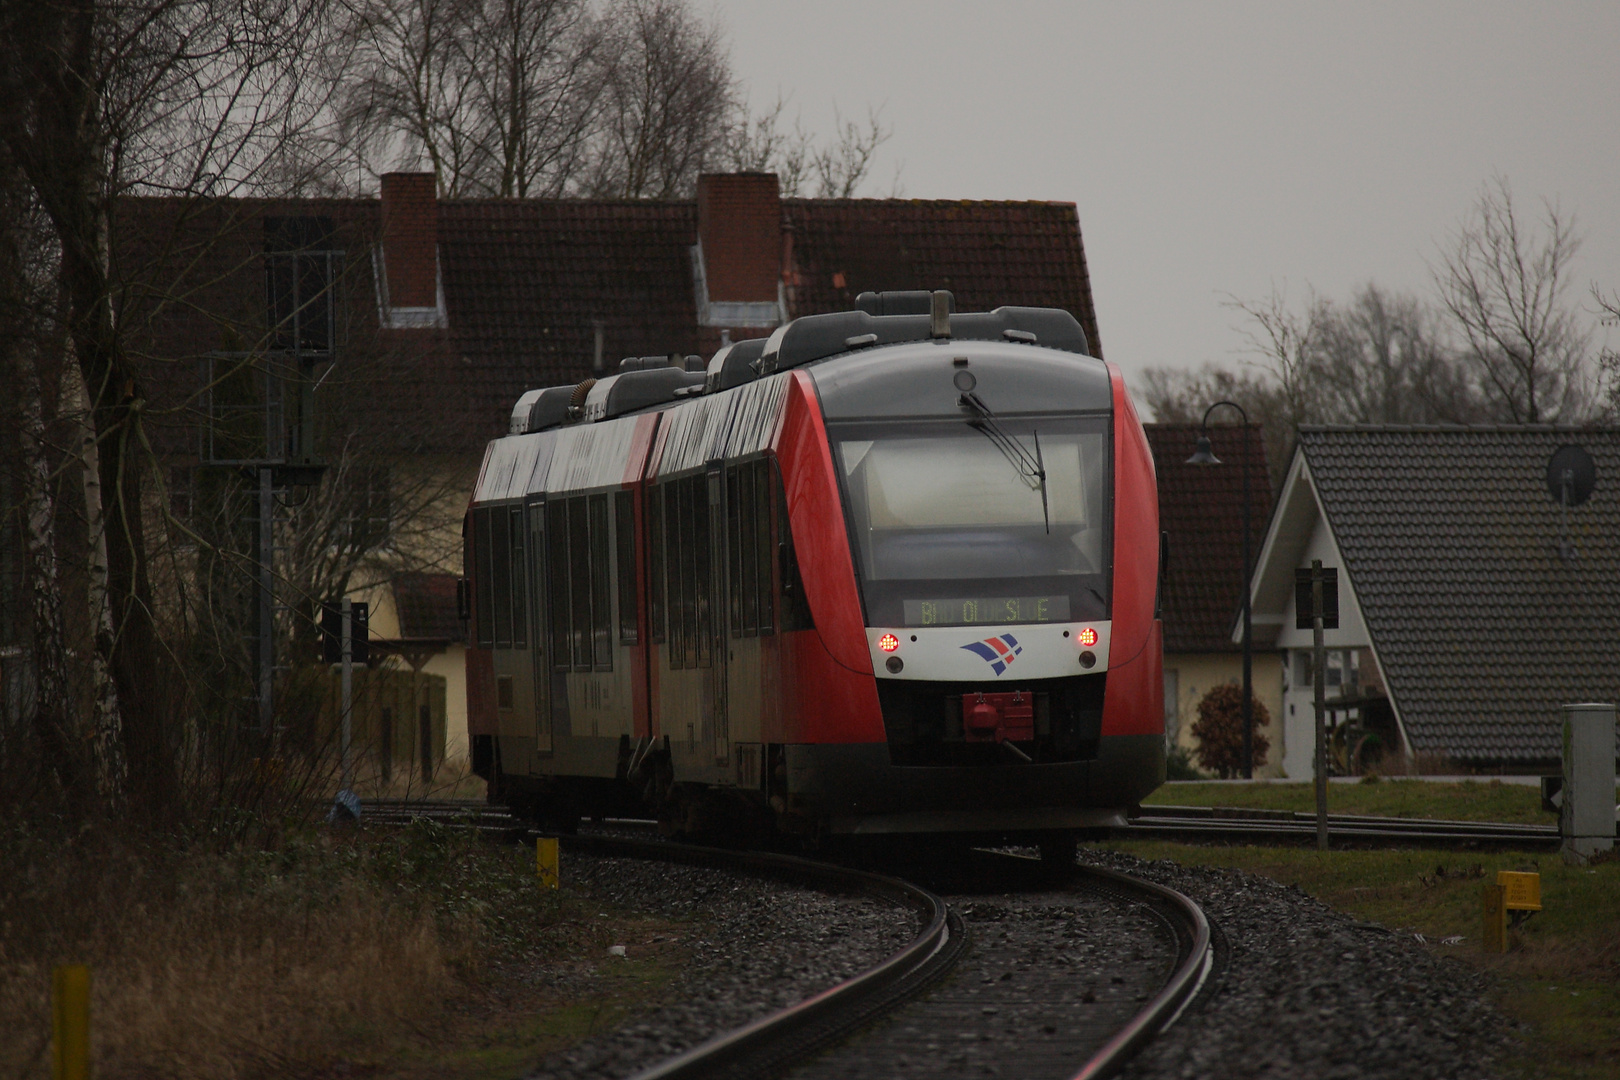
[[891, 570]]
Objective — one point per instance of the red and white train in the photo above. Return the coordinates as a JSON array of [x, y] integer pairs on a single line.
[[889, 570]]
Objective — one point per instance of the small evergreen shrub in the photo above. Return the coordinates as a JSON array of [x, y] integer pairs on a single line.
[[1219, 731]]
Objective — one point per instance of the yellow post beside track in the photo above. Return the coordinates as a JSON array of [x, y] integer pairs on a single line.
[[70, 1023], [545, 862]]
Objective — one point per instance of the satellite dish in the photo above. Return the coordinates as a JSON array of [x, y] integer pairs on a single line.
[[1571, 475]]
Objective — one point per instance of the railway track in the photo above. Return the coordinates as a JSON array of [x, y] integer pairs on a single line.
[[775, 1043], [1244, 826]]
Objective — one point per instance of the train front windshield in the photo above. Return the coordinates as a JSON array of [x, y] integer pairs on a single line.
[[953, 526]]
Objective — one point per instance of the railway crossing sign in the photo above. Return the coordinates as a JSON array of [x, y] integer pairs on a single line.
[[1305, 608]]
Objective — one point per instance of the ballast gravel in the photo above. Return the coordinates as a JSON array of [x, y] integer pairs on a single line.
[[758, 946], [1307, 991]]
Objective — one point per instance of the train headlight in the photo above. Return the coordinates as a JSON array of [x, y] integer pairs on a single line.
[[1088, 637], [888, 643]]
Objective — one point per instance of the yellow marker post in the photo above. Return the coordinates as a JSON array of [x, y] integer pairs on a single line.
[[545, 862], [1494, 909], [1522, 890], [70, 1023]]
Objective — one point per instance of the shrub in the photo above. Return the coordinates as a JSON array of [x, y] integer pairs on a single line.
[[1219, 731], [1178, 764]]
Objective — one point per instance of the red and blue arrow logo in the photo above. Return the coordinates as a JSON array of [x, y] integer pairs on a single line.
[[998, 651]]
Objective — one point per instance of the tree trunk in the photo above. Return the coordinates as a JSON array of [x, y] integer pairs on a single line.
[[53, 709], [107, 731]]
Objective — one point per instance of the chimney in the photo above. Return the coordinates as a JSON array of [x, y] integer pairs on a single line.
[[737, 263], [410, 250]]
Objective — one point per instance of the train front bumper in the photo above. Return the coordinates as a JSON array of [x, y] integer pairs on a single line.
[[853, 788]]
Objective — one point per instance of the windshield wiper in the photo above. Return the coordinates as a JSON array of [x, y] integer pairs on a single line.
[[1030, 466]]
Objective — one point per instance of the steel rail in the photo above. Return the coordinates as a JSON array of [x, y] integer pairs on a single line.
[[1177, 992], [1276, 826], [1195, 960], [773, 1042]]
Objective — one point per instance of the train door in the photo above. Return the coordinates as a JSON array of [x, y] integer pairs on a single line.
[[536, 514], [715, 693]]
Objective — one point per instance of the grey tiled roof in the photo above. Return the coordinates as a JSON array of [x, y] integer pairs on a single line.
[[1448, 535]]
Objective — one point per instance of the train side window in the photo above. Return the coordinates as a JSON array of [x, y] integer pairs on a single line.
[[520, 593], [734, 548], [537, 574], [601, 583], [693, 505], [761, 513], [579, 574], [655, 562], [624, 540], [742, 585], [557, 591], [795, 606], [705, 498], [674, 497], [500, 557], [478, 567]]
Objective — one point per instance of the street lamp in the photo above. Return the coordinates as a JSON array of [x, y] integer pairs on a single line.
[[1204, 455]]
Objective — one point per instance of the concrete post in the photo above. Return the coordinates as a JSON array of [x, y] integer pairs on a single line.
[[1586, 819]]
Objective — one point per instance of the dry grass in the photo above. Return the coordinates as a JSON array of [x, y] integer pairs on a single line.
[[257, 963]]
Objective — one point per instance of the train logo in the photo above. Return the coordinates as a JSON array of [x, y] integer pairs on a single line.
[[998, 651]]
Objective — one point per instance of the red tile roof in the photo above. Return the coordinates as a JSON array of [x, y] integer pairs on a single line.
[[986, 253], [426, 604], [529, 284], [1201, 507]]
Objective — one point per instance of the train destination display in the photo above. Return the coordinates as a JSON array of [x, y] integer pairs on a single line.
[[987, 610]]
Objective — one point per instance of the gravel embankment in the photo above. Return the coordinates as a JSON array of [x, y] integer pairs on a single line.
[[765, 946], [1306, 991]]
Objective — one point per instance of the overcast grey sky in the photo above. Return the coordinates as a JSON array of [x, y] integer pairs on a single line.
[[1219, 149]]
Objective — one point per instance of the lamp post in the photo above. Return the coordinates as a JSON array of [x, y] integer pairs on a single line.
[[1203, 455]]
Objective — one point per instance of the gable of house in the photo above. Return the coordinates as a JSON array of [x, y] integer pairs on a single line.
[[1450, 538]]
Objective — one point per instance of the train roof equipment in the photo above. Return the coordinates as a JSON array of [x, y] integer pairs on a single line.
[[881, 318]]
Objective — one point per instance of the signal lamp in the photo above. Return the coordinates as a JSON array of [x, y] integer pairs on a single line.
[[888, 643], [1088, 637]]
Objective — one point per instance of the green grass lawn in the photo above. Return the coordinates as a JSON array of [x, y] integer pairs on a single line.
[[1562, 973], [1470, 800]]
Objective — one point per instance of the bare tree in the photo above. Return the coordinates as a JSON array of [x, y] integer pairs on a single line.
[[844, 164], [1503, 281], [761, 143], [183, 97], [1380, 359], [667, 103], [496, 95]]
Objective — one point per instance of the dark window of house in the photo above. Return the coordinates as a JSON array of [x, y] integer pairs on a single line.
[[601, 583], [764, 592], [655, 562], [558, 594], [579, 560], [624, 539], [483, 576], [795, 606], [520, 593], [500, 555], [365, 501], [300, 281]]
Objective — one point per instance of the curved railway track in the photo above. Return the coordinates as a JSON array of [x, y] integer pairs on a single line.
[[773, 1044], [1242, 826]]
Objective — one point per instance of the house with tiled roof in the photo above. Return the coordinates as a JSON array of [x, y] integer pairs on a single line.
[[422, 320], [1201, 514], [1472, 604]]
